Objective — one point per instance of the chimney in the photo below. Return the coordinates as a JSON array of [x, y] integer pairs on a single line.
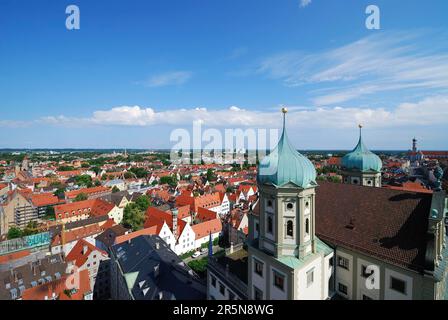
[[84, 249], [175, 213]]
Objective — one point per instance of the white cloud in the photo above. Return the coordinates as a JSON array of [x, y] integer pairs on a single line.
[[378, 63], [168, 79], [304, 3], [427, 112]]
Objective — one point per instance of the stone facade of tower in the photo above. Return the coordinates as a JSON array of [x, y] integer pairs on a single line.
[[288, 261]]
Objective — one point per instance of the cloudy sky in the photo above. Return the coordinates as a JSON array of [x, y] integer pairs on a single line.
[[137, 70]]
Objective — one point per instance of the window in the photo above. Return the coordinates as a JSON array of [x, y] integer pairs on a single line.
[[279, 280], [270, 226], [289, 206], [307, 204], [213, 280], [257, 227], [290, 229], [355, 181], [307, 226], [258, 294], [364, 272], [342, 288], [398, 285], [343, 262], [222, 289], [270, 203], [231, 296], [309, 278], [330, 262], [258, 268]]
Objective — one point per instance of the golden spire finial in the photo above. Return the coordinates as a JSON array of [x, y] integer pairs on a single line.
[[284, 110], [360, 126]]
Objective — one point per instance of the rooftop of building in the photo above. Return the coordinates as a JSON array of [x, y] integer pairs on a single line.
[[14, 282], [153, 271], [389, 224]]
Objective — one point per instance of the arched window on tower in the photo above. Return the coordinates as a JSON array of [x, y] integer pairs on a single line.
[[270, 224], [307, 226], [290, 229]]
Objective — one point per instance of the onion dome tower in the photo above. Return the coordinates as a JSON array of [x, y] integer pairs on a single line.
[[286, 244], [285, 165], [361, 166]]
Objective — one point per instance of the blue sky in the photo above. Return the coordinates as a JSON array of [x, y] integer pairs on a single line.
[[138, 69]]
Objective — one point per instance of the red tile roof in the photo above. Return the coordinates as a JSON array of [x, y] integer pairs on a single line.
[[156, 217], [203, 229], [79, 256], [58, 287], [147, 231], [93, 208], [44, 199], [205, 214], [87, 191], [385, 223], [7, 258], [205, 201], [183, 212], [410, 186]]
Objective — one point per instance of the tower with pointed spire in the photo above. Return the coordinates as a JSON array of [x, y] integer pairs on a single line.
[[361, 166], [287, 261]]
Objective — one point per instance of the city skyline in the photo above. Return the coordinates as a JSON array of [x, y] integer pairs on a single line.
[[128, 78]]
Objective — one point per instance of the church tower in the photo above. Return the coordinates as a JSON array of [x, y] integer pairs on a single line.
[[361, 166], [287, 261]]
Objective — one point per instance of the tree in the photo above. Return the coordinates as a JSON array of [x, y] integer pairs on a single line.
[[139, 172], [168, 180], [81, 197], [31, 228], [133, 217], [335, 179], [97, 183], [60, 193], [66, 168], [211, 175], [84, 180], [199, 266], [115, 189], [49, 213], [14, 233], [143, 202]]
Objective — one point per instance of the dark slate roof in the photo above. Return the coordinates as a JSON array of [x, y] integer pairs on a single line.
[[13, 282], [173, 280], [109, 235], [388, 224]]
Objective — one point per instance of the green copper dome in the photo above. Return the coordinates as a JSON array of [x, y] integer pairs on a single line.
[[361, 158], [285, 165]]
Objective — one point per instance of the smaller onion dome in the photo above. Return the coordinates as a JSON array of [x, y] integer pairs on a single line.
[[361, 158]]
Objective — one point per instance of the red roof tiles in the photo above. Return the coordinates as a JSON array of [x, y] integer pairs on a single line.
[[389, 224]]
